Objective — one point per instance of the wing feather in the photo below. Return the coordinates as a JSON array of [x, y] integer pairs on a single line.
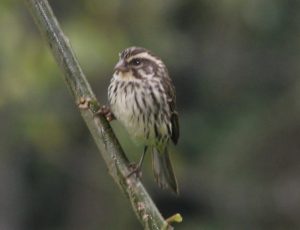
[[170, 91]]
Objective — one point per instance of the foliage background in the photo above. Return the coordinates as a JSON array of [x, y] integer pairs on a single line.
[[235, 65]]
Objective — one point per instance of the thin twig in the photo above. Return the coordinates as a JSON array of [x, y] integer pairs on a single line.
[[109, 147]]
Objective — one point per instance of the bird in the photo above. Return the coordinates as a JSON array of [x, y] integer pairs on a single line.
[[142, 97]]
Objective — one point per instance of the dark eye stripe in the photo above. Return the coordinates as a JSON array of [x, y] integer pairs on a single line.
[[142, 60], [136, 61]]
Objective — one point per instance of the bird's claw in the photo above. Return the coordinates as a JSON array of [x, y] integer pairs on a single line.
[[105, 111], [87, 103], [135, 169]]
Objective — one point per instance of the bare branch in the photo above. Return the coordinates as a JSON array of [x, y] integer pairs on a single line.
[[109, 147]]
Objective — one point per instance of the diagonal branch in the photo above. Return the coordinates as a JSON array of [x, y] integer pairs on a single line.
[[109, 147]]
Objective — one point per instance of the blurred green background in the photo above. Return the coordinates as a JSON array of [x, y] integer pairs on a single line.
[[235, 65]]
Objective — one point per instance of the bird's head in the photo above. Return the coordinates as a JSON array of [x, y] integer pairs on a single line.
[[138, 63]]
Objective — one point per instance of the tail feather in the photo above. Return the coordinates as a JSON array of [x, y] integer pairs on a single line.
[[163, 170]]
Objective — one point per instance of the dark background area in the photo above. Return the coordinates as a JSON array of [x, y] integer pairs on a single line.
[[235, 65]]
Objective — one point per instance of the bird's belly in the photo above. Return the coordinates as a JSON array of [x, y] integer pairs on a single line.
[[126, 111], [140, 124]]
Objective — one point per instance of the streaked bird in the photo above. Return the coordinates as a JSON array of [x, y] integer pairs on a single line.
[[142, 97]]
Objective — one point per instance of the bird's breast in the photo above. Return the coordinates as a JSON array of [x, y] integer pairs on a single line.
[[141, 110]]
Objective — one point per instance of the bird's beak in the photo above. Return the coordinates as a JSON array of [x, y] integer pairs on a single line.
[[121, 66]]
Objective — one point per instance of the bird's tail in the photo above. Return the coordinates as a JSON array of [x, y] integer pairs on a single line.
[[163, 170]]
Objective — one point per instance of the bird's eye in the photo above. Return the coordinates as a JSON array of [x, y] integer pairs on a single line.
[[136, 61]]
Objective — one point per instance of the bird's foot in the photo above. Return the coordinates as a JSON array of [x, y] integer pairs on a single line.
[[135, 169], [105, 111], [88, 103]]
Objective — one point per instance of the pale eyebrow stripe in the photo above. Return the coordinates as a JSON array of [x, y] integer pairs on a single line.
[[144, 55]]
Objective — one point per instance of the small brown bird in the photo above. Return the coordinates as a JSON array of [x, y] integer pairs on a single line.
[[142, 97]]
